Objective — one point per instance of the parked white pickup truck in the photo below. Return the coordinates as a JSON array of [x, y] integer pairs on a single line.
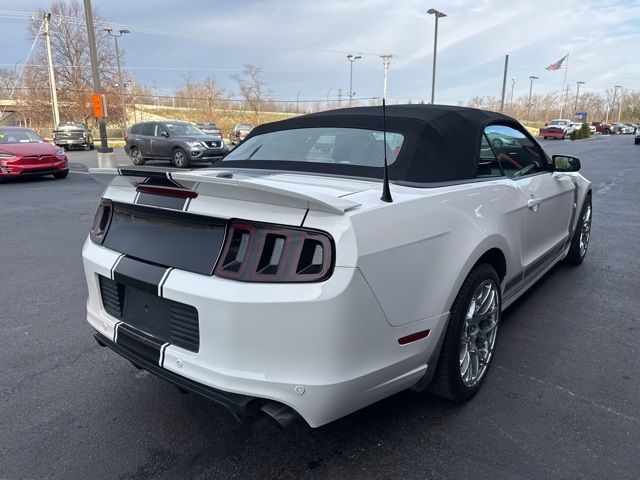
[[559, 128]]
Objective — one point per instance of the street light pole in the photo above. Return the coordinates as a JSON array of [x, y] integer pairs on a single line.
[[120, 84], [531, 79], [298, 102], [352, 58], [328, 92], [575, 107], [437, 14]]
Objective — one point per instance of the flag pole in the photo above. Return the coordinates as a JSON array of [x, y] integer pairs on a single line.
[[564, 92]]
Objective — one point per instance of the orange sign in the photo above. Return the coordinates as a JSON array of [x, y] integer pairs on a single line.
[[99, 105]]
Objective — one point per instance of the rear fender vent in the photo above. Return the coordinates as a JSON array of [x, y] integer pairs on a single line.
[[112, 296]]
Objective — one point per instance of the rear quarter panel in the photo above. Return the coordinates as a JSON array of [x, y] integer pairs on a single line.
[[416, 252]]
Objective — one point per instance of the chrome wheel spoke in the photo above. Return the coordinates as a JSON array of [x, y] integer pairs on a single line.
[[479, 333]]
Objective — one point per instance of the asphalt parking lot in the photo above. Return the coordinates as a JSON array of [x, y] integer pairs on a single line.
[[562, 399]]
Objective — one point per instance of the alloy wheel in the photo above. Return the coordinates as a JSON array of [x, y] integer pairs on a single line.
[[479, 333], [585, 230], [178, 158]]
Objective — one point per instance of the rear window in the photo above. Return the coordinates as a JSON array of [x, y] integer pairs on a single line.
[[333, 145], [147, 129]]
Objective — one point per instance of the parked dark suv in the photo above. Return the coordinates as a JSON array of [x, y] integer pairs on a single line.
[[73, 134], [179, 142]]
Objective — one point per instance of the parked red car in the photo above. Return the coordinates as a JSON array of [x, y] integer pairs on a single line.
[[24, 152], [602, 127]]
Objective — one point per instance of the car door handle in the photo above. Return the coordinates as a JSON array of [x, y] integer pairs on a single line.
[[534, 203]]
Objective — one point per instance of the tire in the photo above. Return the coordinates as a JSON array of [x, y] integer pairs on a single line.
[[64, 174], [92, 145], [448, 380], [563, 135], [580, 240], [179, 158], [637, 141], [86, 147], [545, 138], [136, 156]]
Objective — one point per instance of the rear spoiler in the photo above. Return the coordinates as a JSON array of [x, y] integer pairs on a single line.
[[225, 186]]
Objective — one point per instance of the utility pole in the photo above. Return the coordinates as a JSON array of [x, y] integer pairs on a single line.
[[385, 59], [504, 82], [531, 79], [620, 103], [298, 102], [352, 58], [437, 14], [513, 85], [120, 84], [613, 102], [575, 107], [52, 77], [340, 96], [105, 154]]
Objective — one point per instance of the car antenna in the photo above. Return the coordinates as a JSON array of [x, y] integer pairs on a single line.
[[386, 193]]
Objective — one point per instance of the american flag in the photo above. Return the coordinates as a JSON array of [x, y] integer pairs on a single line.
[[557, 65]]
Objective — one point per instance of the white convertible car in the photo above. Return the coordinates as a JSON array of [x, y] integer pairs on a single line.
[[286, 281]]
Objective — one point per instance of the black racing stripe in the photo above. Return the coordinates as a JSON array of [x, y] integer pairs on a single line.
[[141, 275], [163, 201], [139, 343]]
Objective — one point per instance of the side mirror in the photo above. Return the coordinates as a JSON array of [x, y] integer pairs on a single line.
[[565, 163], [165, 134]]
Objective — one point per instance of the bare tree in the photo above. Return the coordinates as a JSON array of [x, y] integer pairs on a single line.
[[253, 88], [72, 66]]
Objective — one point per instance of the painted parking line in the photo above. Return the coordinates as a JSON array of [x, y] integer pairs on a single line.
[[83, 173]]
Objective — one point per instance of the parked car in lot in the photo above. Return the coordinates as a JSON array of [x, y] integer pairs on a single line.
[[23, 152], [73, 134], [179, 142], [239, 132], [210, 129], [559, 128], [637, 139], [291, 279], [601, 127]]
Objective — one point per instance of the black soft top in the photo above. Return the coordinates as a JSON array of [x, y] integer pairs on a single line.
[[441, 143]]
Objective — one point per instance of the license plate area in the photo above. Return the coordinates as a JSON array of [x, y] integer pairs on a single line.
[[165, 320]]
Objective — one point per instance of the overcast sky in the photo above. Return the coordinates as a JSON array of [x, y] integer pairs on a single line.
[[302, 45]]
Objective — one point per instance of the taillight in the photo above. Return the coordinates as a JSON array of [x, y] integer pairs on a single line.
[[101, 221], [126, 137], [255, 252]]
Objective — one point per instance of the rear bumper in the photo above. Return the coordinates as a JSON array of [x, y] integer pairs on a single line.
[[243, 407], [71, 142], [324, 349]]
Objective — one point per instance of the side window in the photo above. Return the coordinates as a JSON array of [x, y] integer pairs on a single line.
[[135, 130], [147, 129], [160, 130], [488, 164], [517, 154]]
